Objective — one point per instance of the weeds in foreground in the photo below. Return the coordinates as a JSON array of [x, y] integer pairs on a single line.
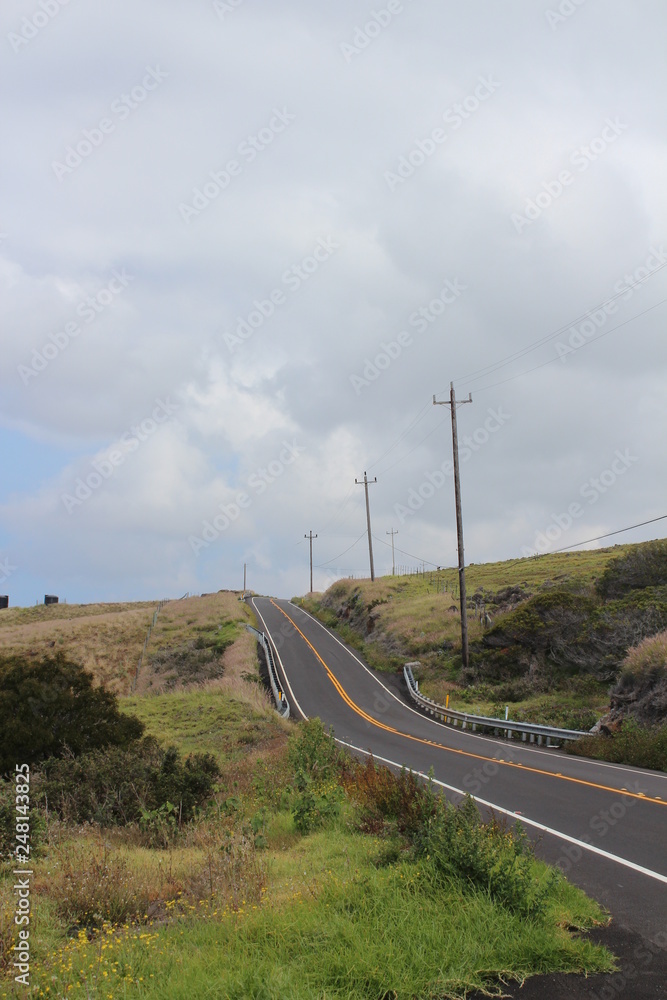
[[242, 903]]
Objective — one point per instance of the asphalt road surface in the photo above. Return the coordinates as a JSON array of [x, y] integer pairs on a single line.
[[604, 825]]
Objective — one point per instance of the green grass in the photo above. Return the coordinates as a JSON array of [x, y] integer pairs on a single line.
[[574, 707], [639, 747], [416, 611], [332, 924], [202, 721]]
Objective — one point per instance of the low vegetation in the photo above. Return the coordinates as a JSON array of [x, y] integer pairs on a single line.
[[302, 873]]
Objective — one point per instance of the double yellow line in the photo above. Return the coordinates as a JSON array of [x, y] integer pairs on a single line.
[[463, 753]]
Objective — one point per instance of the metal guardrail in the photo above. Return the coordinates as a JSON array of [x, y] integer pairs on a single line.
[[282, 703], [483, 723]]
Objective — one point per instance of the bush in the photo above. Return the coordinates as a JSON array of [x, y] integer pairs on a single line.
[[384, 795], [487, 857], [644, 566], [649, 655], [633, 744], [91, 891], [50, 707], [641, 690], [314, 807], [117, 786], [577, 632], [312, 754]]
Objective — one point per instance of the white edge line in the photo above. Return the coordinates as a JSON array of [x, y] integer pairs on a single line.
[[520, 817], [289, 686], [491, 805], [502, 744]]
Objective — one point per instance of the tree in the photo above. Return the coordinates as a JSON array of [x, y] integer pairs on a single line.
[[50, 707]]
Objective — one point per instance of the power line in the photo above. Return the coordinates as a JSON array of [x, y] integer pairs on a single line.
[[479, 373], [586, 344], [321, 565], [418, 445], [608, 535], [403, 552], [415, 420]]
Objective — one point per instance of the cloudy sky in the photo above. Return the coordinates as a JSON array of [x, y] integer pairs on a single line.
[[243, 244]]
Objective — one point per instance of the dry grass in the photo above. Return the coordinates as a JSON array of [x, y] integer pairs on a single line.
[[105, 639]]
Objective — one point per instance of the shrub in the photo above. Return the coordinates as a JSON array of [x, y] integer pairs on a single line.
[[51, 706], [384, 795], [487, 857], [312, 754], [648, 655], [577, 632], [91, 891], [641, 690], [314, 807], [117, 786], [633, 744], [644, 565]]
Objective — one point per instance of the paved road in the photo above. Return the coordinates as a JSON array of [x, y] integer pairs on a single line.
[[604, 825]]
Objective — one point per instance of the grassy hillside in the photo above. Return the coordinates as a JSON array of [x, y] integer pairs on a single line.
[[541, 637], [107, 639]]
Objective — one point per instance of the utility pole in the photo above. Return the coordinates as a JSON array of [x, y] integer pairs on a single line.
[[365, 483], [244, 578], [311, 536], [453, 403], [393, 561]]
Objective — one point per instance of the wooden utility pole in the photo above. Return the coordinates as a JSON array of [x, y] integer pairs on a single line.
[[244, 578], [393, 561], [365, 483], [453, 403], [311, 536]]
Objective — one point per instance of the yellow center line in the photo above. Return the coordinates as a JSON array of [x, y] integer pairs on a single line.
[[463, 753]]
